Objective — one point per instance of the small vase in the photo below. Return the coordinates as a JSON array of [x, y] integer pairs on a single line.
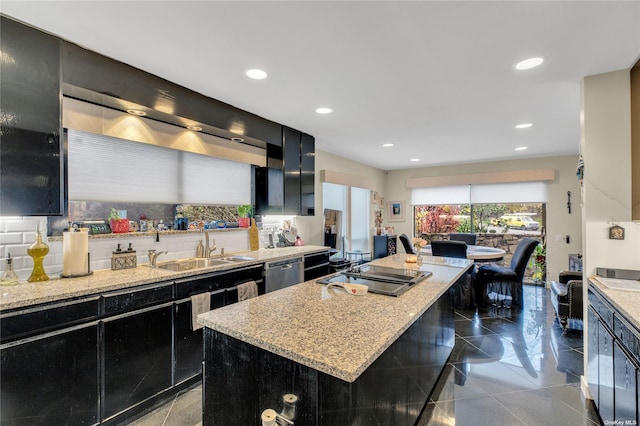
[[38, 250], [419, 259], [243, 222]]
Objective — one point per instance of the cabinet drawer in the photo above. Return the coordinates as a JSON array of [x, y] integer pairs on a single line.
[[36, 320], [200, 284], [311, 260], [126, 301], [602, 308]]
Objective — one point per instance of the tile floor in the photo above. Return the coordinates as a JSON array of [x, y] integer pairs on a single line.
[[508, 367]]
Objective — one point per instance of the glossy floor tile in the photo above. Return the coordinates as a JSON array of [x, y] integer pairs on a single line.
[[508, 367], [512, 367]]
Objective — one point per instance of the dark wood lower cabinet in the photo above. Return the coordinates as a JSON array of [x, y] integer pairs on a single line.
[[51, 379], [625, 386], [188, 343], [137, 357], [107, 357], [592, 356], [605, 373], [613, 363]]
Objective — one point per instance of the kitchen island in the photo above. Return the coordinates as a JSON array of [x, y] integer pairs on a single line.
[[356, 360]]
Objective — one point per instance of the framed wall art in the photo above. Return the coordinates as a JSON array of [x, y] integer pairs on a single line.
[[395, 211]]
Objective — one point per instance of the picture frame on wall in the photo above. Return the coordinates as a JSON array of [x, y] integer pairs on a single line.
[[395, 210], [374, 197]]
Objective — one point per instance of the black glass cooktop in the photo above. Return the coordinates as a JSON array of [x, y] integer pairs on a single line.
[[380, 280]]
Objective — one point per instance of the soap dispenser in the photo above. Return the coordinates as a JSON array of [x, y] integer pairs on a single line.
[[9, 277]]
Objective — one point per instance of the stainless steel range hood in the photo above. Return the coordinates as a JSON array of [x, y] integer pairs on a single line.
[[87, 117]]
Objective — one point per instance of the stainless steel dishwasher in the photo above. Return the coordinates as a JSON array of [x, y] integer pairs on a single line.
[[283, 273]]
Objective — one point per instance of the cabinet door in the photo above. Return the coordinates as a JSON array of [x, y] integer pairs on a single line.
[[291, 147], [307, 174], [31, 158], [51, 379], [592, 355], [605, 373], [380, 246], [137, 357], [625, 387], [188, 343]]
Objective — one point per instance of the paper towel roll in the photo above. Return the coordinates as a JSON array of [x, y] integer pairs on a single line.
[[75, 252]]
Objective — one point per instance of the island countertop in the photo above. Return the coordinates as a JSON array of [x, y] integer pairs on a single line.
[[27, 294], [328, 329]]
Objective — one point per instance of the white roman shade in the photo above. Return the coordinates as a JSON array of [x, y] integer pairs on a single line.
[[104, 168], [437, 195], [517, 192]]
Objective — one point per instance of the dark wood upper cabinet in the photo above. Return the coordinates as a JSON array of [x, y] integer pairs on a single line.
[[31, 153], [291, 169], [635, 142], [98, 79], [286, 186], [307, 174]]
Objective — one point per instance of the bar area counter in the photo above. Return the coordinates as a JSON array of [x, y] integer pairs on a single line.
[[369, 359]]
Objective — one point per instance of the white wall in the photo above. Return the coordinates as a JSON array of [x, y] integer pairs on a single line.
[[606, 147], [559, 221]]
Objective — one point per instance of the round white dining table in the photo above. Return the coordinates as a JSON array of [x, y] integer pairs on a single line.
[[476, 253]]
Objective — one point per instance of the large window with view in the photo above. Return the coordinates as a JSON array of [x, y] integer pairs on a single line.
[[492, 218]]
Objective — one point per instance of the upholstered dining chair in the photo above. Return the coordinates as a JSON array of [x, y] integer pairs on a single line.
[[503, 280], [406, 243], [449, 248], [470, 239]]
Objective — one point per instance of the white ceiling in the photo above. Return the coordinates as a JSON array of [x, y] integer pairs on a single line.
[[434, 78]]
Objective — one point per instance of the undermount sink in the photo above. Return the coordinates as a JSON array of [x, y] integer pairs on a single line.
[[188, 264]]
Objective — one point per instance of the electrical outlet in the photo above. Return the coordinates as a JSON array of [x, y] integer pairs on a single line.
[[559, 238]]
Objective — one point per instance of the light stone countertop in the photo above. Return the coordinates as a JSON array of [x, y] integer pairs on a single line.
[[329, 330], [625, 301], [27, 294]]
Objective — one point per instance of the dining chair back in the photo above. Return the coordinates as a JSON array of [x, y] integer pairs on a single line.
[[449, 249], [505, 280], [406, 243], [468, 238]]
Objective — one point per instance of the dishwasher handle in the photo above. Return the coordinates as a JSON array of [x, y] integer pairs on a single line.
[[289, 263]]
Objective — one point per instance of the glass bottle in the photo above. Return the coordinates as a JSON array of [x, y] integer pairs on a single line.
[[38, 251], [9, 277]]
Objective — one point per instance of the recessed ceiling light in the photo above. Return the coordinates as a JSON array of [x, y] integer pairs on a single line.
[[523, 126], [527, 64], [387, 145], [237, 139], [256, 74], [324, 110], [521, 148], [415, 159], [194, 128], [137, 112]]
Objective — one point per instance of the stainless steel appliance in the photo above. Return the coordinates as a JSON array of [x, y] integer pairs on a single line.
[[283, 273], [379, 279]]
